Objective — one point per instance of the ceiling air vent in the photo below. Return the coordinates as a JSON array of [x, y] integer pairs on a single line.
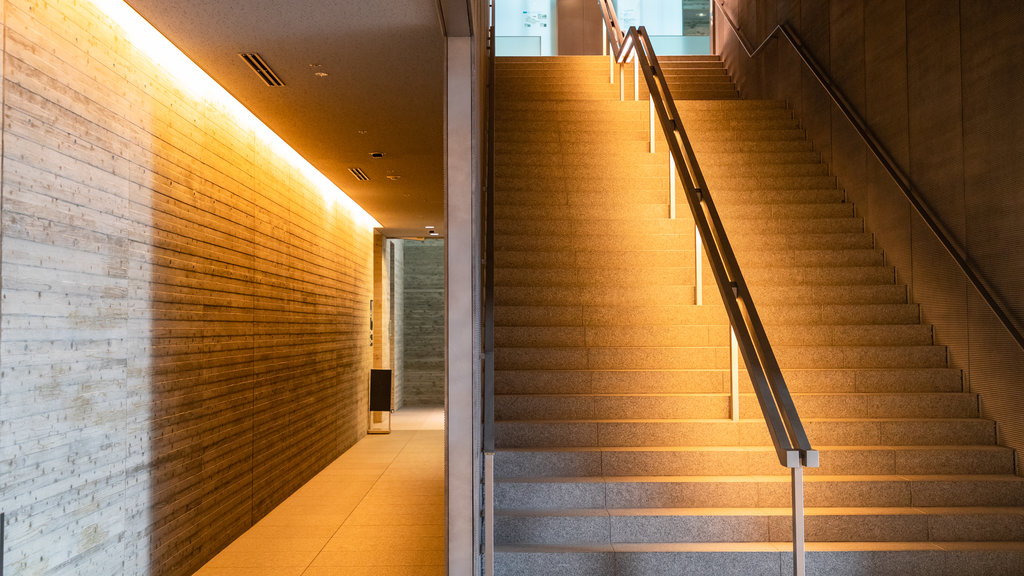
[[359, 174], [260, 67]]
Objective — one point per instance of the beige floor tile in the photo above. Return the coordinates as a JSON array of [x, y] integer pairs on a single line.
[[374, 571], [380, 558], [416, 537], [378, 509], [252, 571]]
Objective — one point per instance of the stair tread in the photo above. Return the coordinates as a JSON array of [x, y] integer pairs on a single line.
[[763, 546], [741, 420], [764, 511], [763, 478], [936, 447]]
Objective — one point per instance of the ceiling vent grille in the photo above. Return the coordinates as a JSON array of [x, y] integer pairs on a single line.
[[261, 68], [359, 174]]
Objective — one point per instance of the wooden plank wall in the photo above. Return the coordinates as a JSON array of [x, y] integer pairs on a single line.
[[184, 331]]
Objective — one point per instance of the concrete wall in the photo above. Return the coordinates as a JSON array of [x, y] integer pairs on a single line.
[[397, 266], [423, 323], [184, 331], [940, 84]]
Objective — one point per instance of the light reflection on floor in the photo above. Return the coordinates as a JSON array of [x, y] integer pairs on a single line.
[[378, 509]]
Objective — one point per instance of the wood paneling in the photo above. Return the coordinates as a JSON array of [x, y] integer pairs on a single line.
[[184, 334]]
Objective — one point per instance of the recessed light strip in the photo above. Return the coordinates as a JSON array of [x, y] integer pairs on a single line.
[[150, 42]]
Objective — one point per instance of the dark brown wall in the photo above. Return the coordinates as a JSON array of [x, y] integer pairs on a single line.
[[579, 27], [942, 85]]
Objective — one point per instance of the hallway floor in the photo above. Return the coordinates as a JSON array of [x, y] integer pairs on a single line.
[[378, 509]]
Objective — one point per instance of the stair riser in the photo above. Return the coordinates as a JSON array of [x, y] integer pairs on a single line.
[[703, 461], [517, 434], [622, 527], [684, 335], [609, 314], [704, 381], [625, 280], [698, 406], [917, 562], [742, 493]]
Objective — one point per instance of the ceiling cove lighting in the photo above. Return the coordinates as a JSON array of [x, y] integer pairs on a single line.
[[151, 43]]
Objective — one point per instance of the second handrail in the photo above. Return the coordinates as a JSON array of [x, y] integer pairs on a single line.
[[876, 147]]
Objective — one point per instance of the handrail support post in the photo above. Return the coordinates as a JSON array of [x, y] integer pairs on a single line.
[[698, 269], [671, 187], [799, 567], [734, 374], [636, 78], [653, 114]]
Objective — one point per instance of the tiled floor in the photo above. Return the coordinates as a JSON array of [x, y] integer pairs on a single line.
[[378, 509]]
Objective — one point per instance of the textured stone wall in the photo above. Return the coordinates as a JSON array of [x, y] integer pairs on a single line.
[[939, 84], [423, 323], [397, 267], [184, 331]]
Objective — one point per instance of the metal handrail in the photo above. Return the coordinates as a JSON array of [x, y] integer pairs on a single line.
[[792, 446], [933, 222]]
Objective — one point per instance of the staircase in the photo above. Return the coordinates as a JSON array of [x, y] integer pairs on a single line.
[[616, 449]]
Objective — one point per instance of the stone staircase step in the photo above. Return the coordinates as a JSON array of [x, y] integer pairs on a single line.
[[565, 381], [522, 407], [846, 491], [746, 240], [763, 559], [703, 335], [745, 216], [693, 525], [668, 357], [750, 461], [715, 432]]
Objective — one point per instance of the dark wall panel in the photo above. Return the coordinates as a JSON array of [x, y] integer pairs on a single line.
[[885, 111], [941, 84], [815, 108], [849, 158], [993, 65], [935, 130]]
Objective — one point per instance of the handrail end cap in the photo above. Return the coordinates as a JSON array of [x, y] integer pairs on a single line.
[[811, 459]]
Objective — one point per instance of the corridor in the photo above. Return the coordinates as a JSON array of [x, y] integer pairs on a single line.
[[378, 509]]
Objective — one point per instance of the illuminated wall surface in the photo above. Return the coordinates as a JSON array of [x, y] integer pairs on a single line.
[[185, 306]]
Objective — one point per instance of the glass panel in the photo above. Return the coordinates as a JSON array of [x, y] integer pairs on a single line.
[[517, 45], [675, 26], [525, 27]]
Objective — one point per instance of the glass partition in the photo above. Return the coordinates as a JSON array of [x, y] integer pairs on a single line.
[[525, 27], [675, 26]]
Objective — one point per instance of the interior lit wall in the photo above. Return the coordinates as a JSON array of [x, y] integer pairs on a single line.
[[423, 323], [184, 336], [940, 84]]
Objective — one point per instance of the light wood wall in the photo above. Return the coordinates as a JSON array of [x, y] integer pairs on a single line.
[[184, 336]]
